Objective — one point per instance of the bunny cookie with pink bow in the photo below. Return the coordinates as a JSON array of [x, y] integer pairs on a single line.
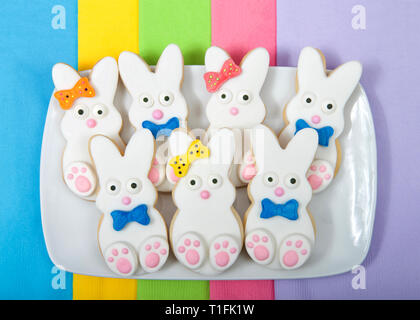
[[235, 102]]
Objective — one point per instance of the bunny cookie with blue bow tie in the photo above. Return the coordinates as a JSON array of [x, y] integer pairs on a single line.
[[132, 232], [278, 227], [319, 104], [157, 103]]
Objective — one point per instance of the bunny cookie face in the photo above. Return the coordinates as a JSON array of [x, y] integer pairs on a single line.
[[236, 101], [123, 180], [206, 181], [279, 231], [132, 231], [89, 116], [321, 97], [206, 232], [158, 103]]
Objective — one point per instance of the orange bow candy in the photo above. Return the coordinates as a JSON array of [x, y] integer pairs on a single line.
[[82, 88]]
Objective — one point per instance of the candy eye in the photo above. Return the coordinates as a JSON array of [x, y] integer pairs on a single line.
[[244, 97], [291, 181], [215, 181], [100, 111], [133, 185], [194, 182], [81, 112], [146, 100], [270, 179], [166, 98], [225, 96], [113, 187], [328, 106], [308, 99]]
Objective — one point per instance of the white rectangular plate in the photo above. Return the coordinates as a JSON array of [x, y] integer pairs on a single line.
[[344, 213]]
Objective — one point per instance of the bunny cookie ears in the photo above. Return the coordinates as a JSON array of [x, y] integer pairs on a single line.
[[71, 86]]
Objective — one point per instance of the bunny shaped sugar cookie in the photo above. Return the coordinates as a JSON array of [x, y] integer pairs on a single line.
[[319, 103], [158, 103], [235, 102], [132, 232], [89, 111], [279, 230], [206, 232]]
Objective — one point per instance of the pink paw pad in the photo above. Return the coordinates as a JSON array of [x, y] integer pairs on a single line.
[[319, 175], [223, 253], [294, 253], [153, 254], [260, 247], [249, 172], [153, 175], [80, 179], [156, 173], [121, 260], [190, 251], [172, 176], [124, 266]]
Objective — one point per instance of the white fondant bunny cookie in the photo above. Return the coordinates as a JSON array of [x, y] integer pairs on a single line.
[[236, 102], [319, 103], [158, 103], [132, 231], [89, 110], [278, 227], [206, 232]]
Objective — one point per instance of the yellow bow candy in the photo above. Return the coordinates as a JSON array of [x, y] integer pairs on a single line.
[[181, 163]]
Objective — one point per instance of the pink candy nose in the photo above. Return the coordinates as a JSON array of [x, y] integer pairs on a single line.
[[126, 200], [205, 194], [316, 119], [234, 111], [279, 191], [91, 123], [157, 114]]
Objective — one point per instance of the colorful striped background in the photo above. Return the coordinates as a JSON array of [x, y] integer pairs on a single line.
[[94, 29], [29, 47]]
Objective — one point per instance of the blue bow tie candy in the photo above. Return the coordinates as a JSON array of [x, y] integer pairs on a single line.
[[288, 210], [138, 214], [324, 133], [163, 129]]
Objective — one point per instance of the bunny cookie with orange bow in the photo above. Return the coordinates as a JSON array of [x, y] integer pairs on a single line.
[[88, 111]]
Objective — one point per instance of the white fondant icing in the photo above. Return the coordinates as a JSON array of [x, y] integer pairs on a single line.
[[205, 218], [276, 167], [328, 94], [156, 95], [237, 104], [121, 172], [99, 112]]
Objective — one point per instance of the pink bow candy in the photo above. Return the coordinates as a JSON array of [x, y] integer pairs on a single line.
[[214, 80]]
